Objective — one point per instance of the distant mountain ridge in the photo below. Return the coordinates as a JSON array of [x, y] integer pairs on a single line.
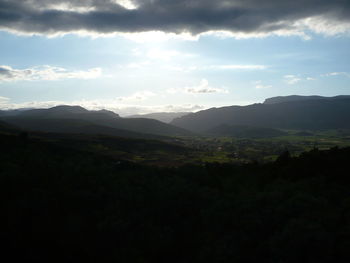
[[76, 119], [65, 111], [281, 99], [292, 112]]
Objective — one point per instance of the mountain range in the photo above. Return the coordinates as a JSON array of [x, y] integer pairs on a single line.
[[291, 112], [75, 119], [263, 120]]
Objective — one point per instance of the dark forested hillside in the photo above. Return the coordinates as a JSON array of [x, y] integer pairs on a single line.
[[333, 113], [240, 131], [280, 99], [77, 119], [75, 126], [67, 205]]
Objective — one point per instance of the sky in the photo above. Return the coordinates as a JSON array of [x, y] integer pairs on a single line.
[[142, 56]]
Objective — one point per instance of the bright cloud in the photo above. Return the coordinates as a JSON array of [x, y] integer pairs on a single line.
[[128, 4], [337, 74], [260, 86], [324, 25], [3, 100], [204, 88], [291, 79], [137, 97], [8, 73], [310, 78]]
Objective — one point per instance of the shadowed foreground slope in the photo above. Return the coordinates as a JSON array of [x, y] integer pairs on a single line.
[[66, 205]]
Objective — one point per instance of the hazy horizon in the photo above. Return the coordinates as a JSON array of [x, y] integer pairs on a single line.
[[129, 112]]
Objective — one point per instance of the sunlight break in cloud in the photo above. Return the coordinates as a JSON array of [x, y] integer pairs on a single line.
[[9, 74], [159, 54], [128, 4]]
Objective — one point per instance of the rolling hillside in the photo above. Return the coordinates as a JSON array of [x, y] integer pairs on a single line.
[[303, 114], [240, 131], [75, 119]]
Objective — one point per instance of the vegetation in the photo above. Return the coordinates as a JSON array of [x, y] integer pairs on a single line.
[[75, 119], [247, 149], [65, 204], [298, 114]]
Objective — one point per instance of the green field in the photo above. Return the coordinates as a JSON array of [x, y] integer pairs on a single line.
[[230, 149]]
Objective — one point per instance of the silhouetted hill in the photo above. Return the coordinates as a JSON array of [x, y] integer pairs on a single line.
[[130, 147], [71, 119], [245, 131], [291, 98], [333, 113], [69, 112], [12, 112], [166, 117], [6, 127], [74, 126]]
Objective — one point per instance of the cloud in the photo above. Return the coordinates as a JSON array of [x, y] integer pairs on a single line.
[[136, 97], [4, 100], [291, 79], [8, 73], [260, 86], [202, 88], [337, 74], [238, 18], [128, 4]]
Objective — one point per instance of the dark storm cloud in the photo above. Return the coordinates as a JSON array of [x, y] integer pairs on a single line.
[[194, 16]]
